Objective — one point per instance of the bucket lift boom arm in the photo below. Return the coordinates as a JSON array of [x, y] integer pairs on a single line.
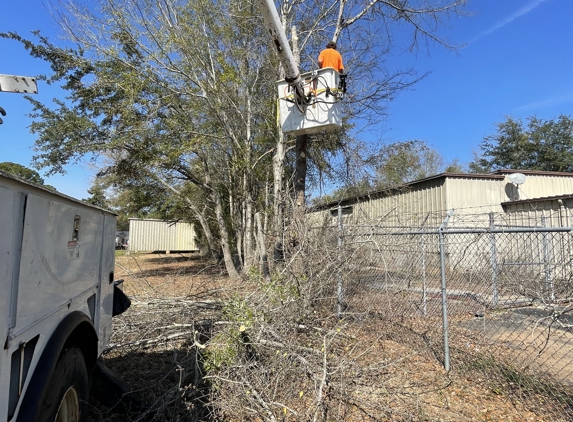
[[277, 33]]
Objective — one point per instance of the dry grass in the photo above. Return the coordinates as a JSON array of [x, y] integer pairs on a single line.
[[362, 368]]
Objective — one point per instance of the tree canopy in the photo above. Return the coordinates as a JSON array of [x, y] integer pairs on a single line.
[[396, 164], [24, 173], [545, 145], [177, 99], [403, 162]]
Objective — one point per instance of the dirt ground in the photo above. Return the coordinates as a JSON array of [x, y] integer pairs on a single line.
[[154, 348]]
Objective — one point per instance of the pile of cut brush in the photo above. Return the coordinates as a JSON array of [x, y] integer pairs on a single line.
[[197, 346]]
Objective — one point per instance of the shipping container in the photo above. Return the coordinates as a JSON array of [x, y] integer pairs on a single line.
[[150, 235]]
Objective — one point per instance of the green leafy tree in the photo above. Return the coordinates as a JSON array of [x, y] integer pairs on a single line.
[[183, 93], [362, 187], [403, 162], [395, 164], [136, 197], [24, 173], [545, 145], [98, 195], [455, 167], [183, 113]]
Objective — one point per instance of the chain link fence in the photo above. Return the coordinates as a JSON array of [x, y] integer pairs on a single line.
[[492, 297]]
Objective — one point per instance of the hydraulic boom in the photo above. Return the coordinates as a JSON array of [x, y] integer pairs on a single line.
[[276, 30]]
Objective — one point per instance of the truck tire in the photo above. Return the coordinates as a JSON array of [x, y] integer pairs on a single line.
[[67, 397]]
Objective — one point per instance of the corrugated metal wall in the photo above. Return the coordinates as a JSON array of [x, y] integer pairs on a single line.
[[146, 235], [552, 212], [426, 202], [540, 186], [475, 195], [555, 212], [467, 194], [411, 202], [424, 197]]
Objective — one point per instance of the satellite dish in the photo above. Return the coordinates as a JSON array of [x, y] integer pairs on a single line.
[[517, 178]]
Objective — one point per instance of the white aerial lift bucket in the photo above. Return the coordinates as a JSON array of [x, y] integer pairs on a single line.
[[322, 111]]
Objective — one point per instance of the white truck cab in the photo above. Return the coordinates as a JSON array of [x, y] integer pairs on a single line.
[[56, 298]]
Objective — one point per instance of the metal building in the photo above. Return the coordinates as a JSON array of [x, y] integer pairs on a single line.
[[430, 198], [553, 211], [148, 235], [499, 200]]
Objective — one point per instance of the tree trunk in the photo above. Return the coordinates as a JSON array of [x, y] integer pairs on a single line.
[[248, 235], [300, 170], [200, 215], [213, 250], [225, 246], [262, 248], [224, 233], [279, 200], [300, 178], [298, 232]]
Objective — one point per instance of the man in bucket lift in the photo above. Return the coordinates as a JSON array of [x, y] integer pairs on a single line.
[[329, 57]]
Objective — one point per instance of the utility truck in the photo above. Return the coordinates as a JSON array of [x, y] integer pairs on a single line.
[[56, 296], [57, 259]]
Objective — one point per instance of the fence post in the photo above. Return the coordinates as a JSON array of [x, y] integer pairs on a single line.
[[547, 261], [444, 290], [424, 292], [424, 287], [493, 251], [339, 258]]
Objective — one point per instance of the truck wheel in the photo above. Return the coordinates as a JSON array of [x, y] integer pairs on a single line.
[[68, 393]]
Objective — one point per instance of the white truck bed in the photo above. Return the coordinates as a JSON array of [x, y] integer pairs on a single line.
[[56, 258]]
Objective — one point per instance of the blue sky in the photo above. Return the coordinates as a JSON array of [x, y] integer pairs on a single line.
[[517, 61]]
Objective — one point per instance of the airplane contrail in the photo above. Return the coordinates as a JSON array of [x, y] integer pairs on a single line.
[[549, 102], [523, 11]]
